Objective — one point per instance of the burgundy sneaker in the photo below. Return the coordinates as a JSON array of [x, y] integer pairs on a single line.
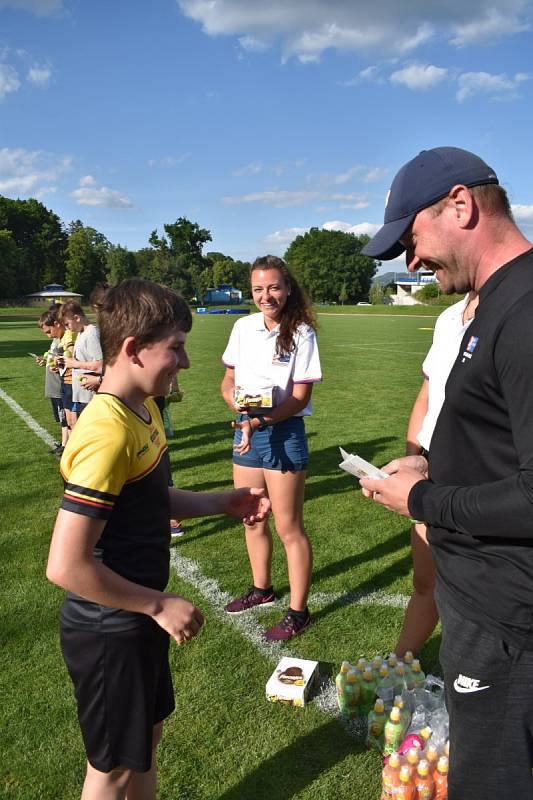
[[250, 600], [288, 627]]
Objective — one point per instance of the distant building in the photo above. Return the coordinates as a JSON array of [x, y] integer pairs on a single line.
[[223, 294], [407, 285], [53, 293]]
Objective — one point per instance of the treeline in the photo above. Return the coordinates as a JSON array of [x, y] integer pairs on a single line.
[[37, 249]]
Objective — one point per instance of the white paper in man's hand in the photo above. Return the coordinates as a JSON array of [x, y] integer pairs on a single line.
[[357, 466]]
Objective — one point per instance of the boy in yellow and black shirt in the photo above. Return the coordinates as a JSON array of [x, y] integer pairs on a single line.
[[110, 546]]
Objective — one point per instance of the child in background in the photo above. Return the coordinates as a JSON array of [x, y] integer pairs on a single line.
[[110, 546], [87, 355], [52, 382]]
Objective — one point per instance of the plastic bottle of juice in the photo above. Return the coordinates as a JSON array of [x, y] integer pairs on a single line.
[[368, 691], [425, 735], [424, 781], [440, 776], [431, 755], [412, 758], [400, 683], [340, 684], [405, 789], [417, 676], [352, 692], [361, 665], [377, 663], [385, 686], [389, 777], [376, 724], [393, 732], [447, 749], [408, 662], [405, 714]]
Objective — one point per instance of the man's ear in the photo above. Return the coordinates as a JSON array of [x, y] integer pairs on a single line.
[[463, 205]]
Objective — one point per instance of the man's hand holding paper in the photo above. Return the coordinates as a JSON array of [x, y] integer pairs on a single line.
[[394, 492]]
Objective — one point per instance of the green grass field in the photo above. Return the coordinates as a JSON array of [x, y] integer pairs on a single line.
[[224, 741]]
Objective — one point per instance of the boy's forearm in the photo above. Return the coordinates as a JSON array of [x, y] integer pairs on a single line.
[[185, 504]]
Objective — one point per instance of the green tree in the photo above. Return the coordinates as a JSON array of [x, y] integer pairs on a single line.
[[325, 261], [40, 241], [120, 264], [376, 294], [87, 251], [179, 260], [9, 260]]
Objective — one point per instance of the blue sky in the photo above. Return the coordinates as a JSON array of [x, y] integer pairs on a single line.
[[257, 121]]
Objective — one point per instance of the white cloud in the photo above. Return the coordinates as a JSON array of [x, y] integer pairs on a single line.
[[39, 76], [41, 8], [367, 228], [254, 168], [9, 80], [168, 161], [523, 214], [497, 86], [284, 237], [90, 194], [24, 172], [493, 25], [307, 28], [369, 75], [419, 77], [282, 198]]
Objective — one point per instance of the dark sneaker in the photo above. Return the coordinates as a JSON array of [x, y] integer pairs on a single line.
[[176, 529], [250, 600], [288, 627]]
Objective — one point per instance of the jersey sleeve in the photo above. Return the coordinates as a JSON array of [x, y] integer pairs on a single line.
[[230, 356], [307, 367], [96, 469]]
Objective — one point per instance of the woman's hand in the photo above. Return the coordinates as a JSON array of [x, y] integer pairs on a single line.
[[247, 430]]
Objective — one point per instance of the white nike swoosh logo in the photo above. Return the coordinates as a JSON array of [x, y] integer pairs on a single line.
[[467, 690]]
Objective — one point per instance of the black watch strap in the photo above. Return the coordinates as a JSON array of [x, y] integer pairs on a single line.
[[263, 424]]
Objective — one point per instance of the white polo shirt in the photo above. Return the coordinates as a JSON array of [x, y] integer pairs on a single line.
[[251, 352], [437, 365]]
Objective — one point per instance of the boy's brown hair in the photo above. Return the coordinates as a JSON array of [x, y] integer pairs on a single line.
[[69, 309], [139, 308]]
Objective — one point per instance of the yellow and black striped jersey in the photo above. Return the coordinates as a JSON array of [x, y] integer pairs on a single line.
[[115, 469]]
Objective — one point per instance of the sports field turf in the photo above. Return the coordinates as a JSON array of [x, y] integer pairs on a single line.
[[224, 740]]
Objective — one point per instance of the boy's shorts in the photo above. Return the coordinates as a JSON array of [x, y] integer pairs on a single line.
[[58, 411], [282, 447], [66, 396], [123, 688]]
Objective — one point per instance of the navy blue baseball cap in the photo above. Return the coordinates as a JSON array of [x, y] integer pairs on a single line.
[[420, 183]]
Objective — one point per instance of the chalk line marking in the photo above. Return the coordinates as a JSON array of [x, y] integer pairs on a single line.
[[32, 423], [187, 569], [326, 698]]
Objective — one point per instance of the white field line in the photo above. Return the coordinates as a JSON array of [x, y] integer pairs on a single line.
[[28, 419], [247, 625]]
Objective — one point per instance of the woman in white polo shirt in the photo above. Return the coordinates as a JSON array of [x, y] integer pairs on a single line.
[[276, 348]]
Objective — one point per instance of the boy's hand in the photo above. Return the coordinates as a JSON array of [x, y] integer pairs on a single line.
[[179, 617], [248, 504]]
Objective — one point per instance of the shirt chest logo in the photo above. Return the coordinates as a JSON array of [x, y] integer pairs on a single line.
[[281, 360], [470, 347]]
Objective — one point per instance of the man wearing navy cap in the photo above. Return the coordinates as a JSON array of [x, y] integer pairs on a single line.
[[448, 213]]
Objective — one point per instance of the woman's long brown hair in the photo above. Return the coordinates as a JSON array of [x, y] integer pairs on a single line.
[[295, 312]]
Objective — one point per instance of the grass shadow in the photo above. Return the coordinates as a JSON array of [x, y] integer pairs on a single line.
[[298, 765]]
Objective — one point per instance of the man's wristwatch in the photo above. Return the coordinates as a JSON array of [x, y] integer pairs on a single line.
[[263, 424]]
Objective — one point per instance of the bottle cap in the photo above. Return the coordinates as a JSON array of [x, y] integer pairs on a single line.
[[405, 774], [379, 706], [367, 675], [432, 753], [377, 662], [423, 768], [384, 671], [426, 732], [415, 666], [400, 670], [447, 749], [351, 676], [394, 760], [398, 701], [443, 764], [392, 660], [408, 657], [345, 666], [413, 756], [395, 714]]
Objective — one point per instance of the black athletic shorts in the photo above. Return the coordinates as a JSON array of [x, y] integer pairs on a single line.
[[123, 688]]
